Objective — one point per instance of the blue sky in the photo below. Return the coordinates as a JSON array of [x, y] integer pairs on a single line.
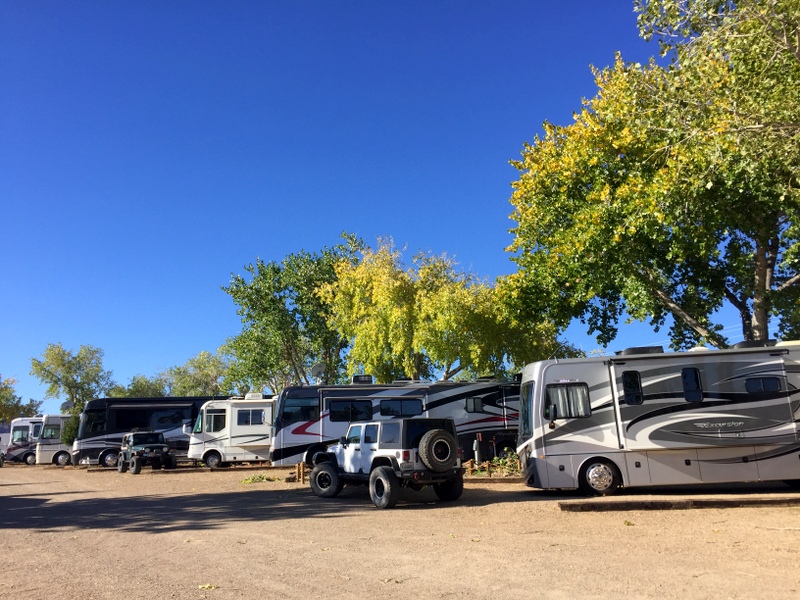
[[149, 150]]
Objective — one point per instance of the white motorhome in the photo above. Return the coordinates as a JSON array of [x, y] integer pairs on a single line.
[[644, 417], [24, 435], [50, 449], [233, 430]]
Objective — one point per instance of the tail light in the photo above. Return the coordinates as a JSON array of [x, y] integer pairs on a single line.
[[406, 456]]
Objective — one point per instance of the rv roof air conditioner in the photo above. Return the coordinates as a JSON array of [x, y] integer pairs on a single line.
[[641, 350], [754, 344]]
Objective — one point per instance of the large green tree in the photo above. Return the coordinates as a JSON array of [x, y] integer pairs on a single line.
[[427, 319], [77, 376], [286, 330], [141, 386], [675, 189], [11, 405], [202, 375]]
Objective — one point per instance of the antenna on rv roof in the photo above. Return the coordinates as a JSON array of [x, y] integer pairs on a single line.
[[317, 371]]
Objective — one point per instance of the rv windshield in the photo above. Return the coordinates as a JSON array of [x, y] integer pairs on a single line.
[[198, 424], [92, 423]]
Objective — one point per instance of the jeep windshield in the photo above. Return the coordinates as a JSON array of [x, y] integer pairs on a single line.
[[147, 438]]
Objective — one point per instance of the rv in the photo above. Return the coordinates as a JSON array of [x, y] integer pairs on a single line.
[[309, 418], [50, 449], [24, 435], [644, 417], [232, 430], [104, 421]]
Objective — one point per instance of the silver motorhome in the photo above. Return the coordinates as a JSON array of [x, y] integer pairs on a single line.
[[233, 430], [644, 417], [49, 448], [24, 435]]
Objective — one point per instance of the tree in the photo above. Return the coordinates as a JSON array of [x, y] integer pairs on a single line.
[[426, 320], [672, 192], [78, 376], [286, 330], [11, 406], [141, 386], [202, 375]]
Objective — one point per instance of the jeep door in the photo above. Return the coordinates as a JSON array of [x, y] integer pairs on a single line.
[[351, 453]]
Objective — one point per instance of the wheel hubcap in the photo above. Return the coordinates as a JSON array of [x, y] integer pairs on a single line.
[[599, 477]]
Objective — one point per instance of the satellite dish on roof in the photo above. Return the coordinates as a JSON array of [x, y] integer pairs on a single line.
[[66, 406], [318, 370]]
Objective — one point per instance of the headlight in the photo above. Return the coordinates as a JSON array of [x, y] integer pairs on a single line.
[[165, 449]]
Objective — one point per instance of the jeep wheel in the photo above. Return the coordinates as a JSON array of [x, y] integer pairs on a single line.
[[384, 487], [172, 462], [156, 464], [438, 450], [122, 466], [325, 480], [136, 465], [450, 490]]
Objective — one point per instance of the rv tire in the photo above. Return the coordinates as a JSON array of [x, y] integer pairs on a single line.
[[62, 459], [384, 487], [438, 450], [108, 458], [450, 490], [213, 460], [599, 477], [136, 465], [29, 459], [325, 480]]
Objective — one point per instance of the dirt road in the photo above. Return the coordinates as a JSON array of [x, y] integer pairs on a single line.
[[73, 534]]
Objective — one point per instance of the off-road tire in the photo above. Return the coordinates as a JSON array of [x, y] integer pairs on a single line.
[[122, 466], [136, 465], [450, 490], [384, 487], [325, 480], [438, 450]]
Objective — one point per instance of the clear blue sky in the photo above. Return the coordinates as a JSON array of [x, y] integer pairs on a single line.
[[148, 150]]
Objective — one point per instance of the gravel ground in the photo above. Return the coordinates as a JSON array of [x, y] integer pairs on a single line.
[[80, 534]]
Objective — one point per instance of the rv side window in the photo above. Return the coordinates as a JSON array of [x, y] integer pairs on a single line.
[[760, 385], [692, 389], [401, 408], [474, 405], [51, 432], [371, 434], [37, 429], [215, 419], [571, 401], [19, 434], [250, 417], [350, 410], [300, 409], [632, 387]]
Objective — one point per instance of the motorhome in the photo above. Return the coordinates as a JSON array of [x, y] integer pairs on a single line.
[[644, 417], [104, 421], [233, 430], [311, 417], [49, 448], [24, 435]]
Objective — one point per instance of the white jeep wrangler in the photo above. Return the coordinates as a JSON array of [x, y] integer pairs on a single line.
[[391, 454]]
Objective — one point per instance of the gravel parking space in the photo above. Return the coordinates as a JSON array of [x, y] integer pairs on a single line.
[[69, 533]]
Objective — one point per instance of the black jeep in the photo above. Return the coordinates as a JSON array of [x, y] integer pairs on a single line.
[[140, 448]]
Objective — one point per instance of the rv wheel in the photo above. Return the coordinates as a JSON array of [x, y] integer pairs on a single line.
[[213, 460], [108, 458], [599, 477], [62, 459], [30, 459]]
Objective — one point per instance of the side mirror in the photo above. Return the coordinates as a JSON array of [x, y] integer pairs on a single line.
[[343, 440], [551, 412], [185, 429]]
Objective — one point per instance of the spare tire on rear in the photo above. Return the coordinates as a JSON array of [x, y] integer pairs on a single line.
[[438, 450]]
